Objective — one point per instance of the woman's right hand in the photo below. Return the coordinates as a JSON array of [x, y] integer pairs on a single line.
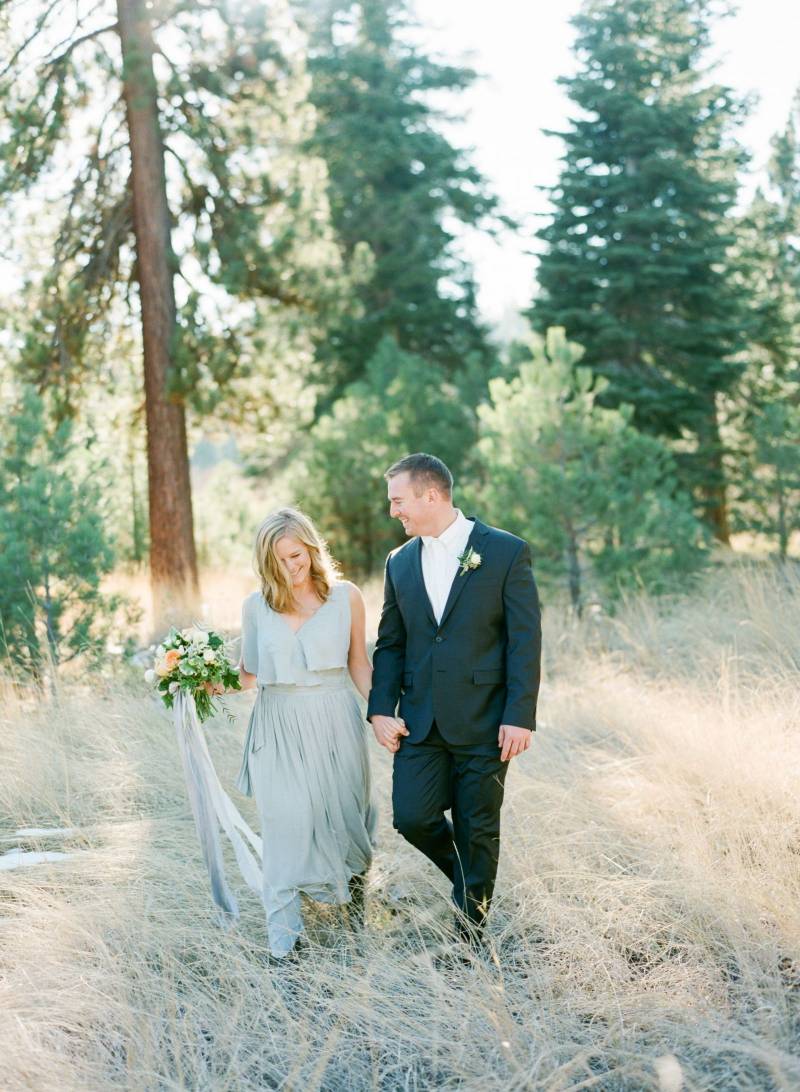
[[388, 731]]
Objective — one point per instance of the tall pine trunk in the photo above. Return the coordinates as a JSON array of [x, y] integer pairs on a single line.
[[574, 573], [713, 486], [783, 522], [173, 561]]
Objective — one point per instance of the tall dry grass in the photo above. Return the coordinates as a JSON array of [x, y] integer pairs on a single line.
[[646, 930]]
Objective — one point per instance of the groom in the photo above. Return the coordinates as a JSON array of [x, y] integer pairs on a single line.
[[459, 645]]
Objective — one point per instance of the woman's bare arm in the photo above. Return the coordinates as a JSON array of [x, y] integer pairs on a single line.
[[358, 661], [246, 680]]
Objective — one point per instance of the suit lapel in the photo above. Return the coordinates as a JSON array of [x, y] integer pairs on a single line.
[[477, 534]]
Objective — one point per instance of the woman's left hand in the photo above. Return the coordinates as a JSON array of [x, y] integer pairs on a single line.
[[213, 688]]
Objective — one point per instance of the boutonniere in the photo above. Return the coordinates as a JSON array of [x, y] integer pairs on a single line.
[[470, 559]]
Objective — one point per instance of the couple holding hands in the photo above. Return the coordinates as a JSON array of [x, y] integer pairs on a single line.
[[451, 693]]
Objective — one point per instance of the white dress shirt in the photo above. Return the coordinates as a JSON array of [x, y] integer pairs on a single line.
[[440, 560]]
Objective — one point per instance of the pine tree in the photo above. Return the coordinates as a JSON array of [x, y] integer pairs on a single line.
[[403, 403], [597, 499], [636, 265], [177, 127], [396, 184], [54, 548], [765, 410]]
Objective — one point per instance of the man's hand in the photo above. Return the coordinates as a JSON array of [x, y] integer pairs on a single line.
[[388, 731], [512, 741]]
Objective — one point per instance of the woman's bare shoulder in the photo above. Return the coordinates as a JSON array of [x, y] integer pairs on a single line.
[[353, 590]]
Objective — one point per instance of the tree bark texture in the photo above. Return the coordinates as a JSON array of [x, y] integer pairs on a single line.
[[173, 560]]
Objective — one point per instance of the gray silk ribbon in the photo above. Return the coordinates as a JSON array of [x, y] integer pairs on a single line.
[[213, 809]]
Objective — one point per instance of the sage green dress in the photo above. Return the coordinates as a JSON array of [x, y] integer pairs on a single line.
[[305, 760]]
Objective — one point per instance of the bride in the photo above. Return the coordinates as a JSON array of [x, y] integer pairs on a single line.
[[305, 756]]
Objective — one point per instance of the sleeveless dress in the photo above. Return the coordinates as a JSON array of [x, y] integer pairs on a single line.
[[305, 760]]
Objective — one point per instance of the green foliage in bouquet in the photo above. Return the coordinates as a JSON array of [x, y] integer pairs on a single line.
[[193, 661]]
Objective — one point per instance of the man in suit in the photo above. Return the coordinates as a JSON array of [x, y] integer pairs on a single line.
[[459, 647]]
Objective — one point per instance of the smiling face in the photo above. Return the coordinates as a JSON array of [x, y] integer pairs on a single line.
[[419, 512], [291, 560], [295, 559]]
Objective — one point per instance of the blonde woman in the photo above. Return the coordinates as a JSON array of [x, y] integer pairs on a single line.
[[305, 757]]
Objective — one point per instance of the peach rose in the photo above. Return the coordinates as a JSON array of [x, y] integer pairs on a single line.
[[171, 658]]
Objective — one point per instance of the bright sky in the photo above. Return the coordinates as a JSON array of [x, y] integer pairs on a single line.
[[522, 46]]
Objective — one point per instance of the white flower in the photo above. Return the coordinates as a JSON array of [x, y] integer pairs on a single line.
[[470, 559], [195, 635], [209, 655], [174, 687], [150, 676]]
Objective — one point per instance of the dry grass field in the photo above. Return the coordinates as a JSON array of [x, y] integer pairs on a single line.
[[646, 931]]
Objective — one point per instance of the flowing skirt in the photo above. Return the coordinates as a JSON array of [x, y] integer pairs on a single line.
[[306, 763]]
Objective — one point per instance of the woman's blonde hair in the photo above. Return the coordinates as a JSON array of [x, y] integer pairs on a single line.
[[275, 584]]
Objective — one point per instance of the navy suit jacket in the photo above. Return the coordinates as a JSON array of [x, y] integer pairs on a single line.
[[480, 666]]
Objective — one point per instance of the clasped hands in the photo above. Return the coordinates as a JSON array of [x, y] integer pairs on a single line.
[[388, 731], [511, 740]]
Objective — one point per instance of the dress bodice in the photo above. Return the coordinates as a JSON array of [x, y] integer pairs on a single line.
[[313, 655]]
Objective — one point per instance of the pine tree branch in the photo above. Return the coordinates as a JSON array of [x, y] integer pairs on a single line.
[[102, 136], [189, 108], [180, 161], [40, 23], [54, 62]]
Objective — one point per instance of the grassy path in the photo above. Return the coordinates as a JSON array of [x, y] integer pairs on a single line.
[[646, 931]]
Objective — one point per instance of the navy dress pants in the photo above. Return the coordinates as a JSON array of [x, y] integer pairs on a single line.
[[435, 776]]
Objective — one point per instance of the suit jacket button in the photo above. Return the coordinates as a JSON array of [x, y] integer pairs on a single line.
[[438, 639]]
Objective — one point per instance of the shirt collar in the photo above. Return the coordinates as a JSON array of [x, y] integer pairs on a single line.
[[451, 536]]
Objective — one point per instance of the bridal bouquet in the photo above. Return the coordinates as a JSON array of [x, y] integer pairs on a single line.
[[192, 661]]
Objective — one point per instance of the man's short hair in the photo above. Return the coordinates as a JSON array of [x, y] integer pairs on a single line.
[[425, 471]]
